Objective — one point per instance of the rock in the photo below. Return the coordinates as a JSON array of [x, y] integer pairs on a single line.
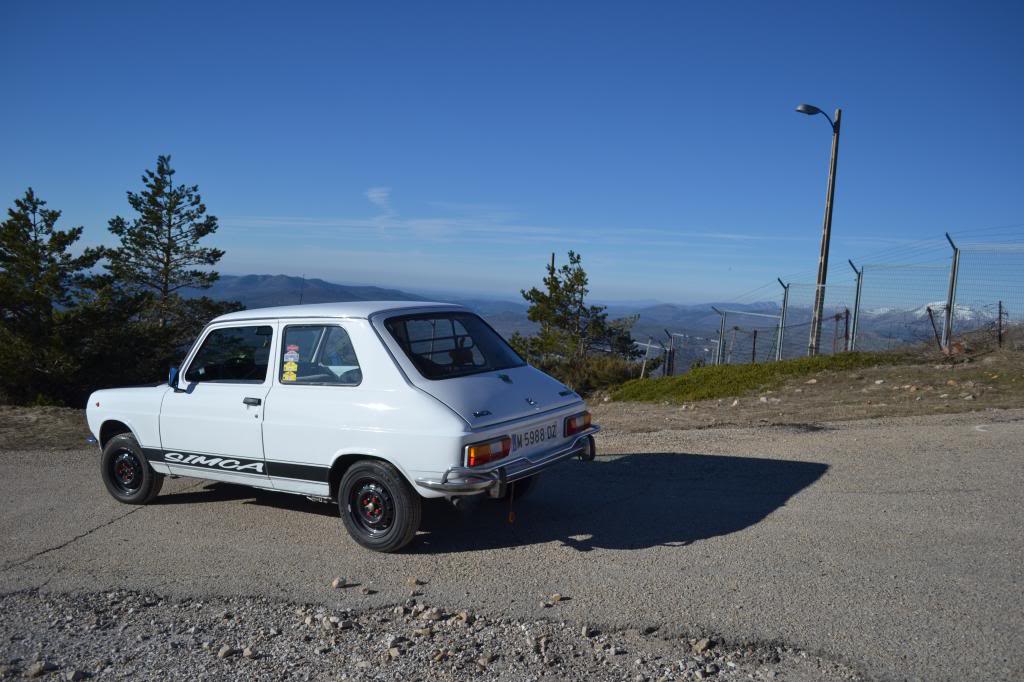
[[762, 399], [735, 402], [367, 590], [589, 632], [432, 613], [879, 381], [423, 632], [415, 582], [968, 397], [394, 652], [40, 668], [339, 583], [227, 652], [466, 617], [811, 381], [702, 645], [485, 659], [556, 597], [73, 676], [249, 652], [711, 669]]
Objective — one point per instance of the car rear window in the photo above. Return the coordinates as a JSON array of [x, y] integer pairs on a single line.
[[446, 345]]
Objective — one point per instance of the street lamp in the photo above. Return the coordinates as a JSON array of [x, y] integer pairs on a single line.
[[826, 233]]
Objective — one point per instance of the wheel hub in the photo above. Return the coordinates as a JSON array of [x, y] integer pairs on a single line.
[[127, 471], [372, 507]]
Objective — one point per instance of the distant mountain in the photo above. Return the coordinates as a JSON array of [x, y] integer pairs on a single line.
[[263, 291]]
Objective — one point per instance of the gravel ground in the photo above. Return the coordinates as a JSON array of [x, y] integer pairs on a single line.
[[890, 546], [126, 634]]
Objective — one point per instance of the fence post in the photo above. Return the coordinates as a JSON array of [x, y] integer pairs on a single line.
[[856, 305], [647, 350], [782, 320], [720, 355], [1000, 324], [947, 330], [753, 349], [846, 331]]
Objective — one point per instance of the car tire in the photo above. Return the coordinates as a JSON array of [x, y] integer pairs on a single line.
[[126, 471], [379, 508]]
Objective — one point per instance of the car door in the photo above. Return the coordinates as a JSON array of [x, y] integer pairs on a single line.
[[316, 405], [211, 424]]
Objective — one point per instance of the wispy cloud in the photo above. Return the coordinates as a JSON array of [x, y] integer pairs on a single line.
[[380, 197], [487, 224]]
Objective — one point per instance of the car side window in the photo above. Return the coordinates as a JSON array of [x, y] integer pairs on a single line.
[[319, 355], [235, 354]]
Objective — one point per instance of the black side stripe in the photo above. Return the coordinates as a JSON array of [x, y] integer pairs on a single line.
[[241, 465]]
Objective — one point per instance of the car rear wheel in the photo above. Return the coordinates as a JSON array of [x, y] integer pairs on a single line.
[[378, 507], [126, 471]]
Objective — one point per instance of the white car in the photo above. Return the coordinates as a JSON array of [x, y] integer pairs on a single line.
[[372, 404]]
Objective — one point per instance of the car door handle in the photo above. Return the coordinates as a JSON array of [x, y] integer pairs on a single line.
[[251, 401]]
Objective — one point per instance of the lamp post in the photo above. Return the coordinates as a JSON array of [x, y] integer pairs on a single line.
[[826, 233]]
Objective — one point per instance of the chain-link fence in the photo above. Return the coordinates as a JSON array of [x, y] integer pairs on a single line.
[[901, 304], [974, 291]]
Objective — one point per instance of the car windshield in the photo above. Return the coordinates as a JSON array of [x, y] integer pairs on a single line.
[[447, 345]]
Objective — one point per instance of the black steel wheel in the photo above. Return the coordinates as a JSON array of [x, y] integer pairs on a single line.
[[379, 508], [372, 505], [126, 471]]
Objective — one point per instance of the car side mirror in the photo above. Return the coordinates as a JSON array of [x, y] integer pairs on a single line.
[[172, 377]]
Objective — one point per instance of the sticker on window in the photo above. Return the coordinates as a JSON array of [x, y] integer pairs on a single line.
[[291, 366], [291, 356], [288, 376]]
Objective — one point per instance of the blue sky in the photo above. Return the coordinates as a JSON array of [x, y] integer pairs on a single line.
[[455, 145]]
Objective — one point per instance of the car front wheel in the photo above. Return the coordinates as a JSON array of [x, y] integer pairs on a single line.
[[126, 471], [378, 507]]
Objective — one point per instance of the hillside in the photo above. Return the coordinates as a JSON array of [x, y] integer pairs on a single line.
[[808, 393], [262, 291]]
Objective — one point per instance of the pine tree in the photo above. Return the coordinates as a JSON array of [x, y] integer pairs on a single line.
[[39, 280], [570, 330], [159, 250]]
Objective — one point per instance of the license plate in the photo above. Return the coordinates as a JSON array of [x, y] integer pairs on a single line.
[[535, 437]]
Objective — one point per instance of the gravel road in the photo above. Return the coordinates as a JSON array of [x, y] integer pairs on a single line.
[[888, 549]]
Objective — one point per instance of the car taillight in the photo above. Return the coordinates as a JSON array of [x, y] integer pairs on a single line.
[[576, 423], [478, 454]]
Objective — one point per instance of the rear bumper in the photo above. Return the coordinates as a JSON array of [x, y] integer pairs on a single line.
[[465, 480]]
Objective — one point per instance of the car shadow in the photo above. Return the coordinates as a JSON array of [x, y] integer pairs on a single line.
[[217, 491], [628, 502], [625, 502]]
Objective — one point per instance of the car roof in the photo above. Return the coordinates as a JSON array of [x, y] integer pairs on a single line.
[[350, 309]]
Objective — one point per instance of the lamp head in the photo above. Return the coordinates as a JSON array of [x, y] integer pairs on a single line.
[[808, 109]]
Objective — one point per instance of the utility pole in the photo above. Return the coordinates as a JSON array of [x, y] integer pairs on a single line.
[[826, 232]]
